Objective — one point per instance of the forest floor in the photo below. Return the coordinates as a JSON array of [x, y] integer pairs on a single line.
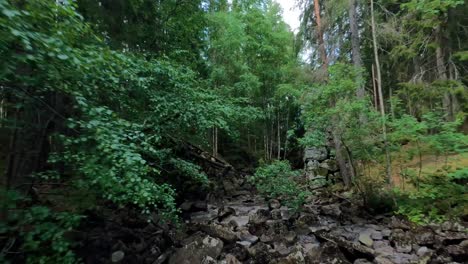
[[239, 226], [430, 164]]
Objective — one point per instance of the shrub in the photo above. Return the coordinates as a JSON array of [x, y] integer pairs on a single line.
[[276, 180], [441, 196], [37, 232]]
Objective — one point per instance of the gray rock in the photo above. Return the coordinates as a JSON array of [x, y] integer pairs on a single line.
[[311, 251], [332, 210], [245, 244], [260, 253], [259, 217], [377, 235], [246, 236], [266, 238], [276, 214], [117, 256], [290, 237], [295, 257], [362, 261], [386, 232], [231, 259], [329, 165], [219, 231], [197, 251], [208, 260], [365, 238], [403, 248], [274, 204], [423, 251], [315, 153], [382, 260]]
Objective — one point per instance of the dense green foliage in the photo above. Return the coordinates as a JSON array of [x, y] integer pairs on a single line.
[[277, 180], [101, 101]]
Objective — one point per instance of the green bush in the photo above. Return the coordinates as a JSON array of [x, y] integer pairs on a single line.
[[36, 232], [277, 180], [440, 197]]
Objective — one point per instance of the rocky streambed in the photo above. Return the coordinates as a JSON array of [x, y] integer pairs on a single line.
[[247, 229], [241, 227]]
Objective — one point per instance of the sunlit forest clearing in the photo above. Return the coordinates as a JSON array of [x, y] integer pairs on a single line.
[[216, 132]]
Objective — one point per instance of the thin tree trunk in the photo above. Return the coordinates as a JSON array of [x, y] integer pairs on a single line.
[[376, 103], [321, 42], [286, 135], [279, 136], [381, 101], [356, 48], [442, 71]]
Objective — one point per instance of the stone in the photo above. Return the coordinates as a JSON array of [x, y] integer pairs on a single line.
[[332, 210], [219, 231], [260, 253], [382, 260], [311, 251], [265, 238], [228, 186], [386, 232], [281, 249], [376, 235], [197, 251], [245, 244], [117, 256], [315, 153], [329, 165], [231, 259], [259, 217], [425, 237], [274, 204], [186, 206], [403, 248], [246, 236], [295, 257], [200, 205], [276, 214], [290, 237], [224, 212], [362, 261], [208, 260], [457, 252], [236, 221], [423, 251], [365, 238]]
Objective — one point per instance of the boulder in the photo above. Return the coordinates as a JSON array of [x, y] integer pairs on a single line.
[[197, 251], [219, 231], [330, 165], [332, 210], [315, 153], [231, 259], [117, 256], [246, 236], [365, 238], [260, 253], [259, 217], [274, 204]]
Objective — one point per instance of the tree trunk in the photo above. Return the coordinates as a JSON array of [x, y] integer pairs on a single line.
[[279, 136], [381, 101], [356, 48], [320, 41], [336, 138]]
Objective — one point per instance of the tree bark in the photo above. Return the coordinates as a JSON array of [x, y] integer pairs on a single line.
[[381, 101], [320, 41], [356, 47], [336, 138]]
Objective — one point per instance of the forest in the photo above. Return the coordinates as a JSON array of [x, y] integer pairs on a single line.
[[211, 131]]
